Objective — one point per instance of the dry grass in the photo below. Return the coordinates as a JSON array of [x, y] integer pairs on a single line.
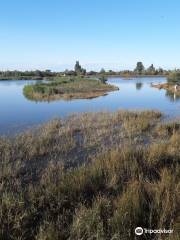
[[169, 87], [92, 176]]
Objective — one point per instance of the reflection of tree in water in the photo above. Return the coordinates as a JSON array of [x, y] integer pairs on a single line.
[[139, 85], [173, 97]]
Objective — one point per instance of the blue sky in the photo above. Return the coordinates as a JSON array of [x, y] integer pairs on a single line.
[[53, 34]]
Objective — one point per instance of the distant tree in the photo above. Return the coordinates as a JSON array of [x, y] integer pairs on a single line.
[[38, 73], [139, 68], [160, 71], [83, 71], [102, 71], [92, 73], [77, 67], [111, 72], [47, 72], [151, 69], [69, 73]]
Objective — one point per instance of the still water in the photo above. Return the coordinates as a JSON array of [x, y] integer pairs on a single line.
[[17, 113]]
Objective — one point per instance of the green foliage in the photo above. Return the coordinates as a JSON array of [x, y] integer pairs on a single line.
[[67, 88], [139, 68], [78, 69], [174, 77], [26, 75], [102, 71], [151, 69]]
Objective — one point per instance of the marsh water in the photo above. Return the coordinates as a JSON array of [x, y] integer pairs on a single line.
[[18, 113]]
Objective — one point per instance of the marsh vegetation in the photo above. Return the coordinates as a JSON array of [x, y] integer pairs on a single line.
[[91, 176], [68, 88], [174, 77]]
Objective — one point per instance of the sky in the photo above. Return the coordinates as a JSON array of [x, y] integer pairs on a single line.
[[114, 34]]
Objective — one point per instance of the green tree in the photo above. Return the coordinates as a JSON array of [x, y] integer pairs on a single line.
[[151, 69], [78, 69], [38, 73], [160, 71], [102, 71], [83, 71], [139, 68]]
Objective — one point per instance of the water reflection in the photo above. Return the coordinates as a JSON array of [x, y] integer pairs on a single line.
[[17, 113], [139, 85], [173, 97]]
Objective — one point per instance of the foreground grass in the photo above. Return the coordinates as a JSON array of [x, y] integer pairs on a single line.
[[92, 176], [67, 88]]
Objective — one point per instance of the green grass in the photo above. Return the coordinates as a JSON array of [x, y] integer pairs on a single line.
[[91, 176], [67, 88]]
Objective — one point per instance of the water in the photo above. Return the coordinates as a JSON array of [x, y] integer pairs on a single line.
[[17, 113]]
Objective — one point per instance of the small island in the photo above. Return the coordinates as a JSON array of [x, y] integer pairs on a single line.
[[68, 88]]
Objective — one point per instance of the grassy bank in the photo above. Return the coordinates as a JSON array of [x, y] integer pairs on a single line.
[[67, 88], [169, 87], [92, 176]]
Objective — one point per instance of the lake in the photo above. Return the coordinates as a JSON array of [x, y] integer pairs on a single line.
[[17, 113]]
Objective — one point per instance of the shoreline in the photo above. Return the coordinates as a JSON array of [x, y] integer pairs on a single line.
[[168, 87], [88, 76], [136, 76]]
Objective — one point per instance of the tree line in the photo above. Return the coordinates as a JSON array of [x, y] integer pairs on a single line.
[[80, 71]]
